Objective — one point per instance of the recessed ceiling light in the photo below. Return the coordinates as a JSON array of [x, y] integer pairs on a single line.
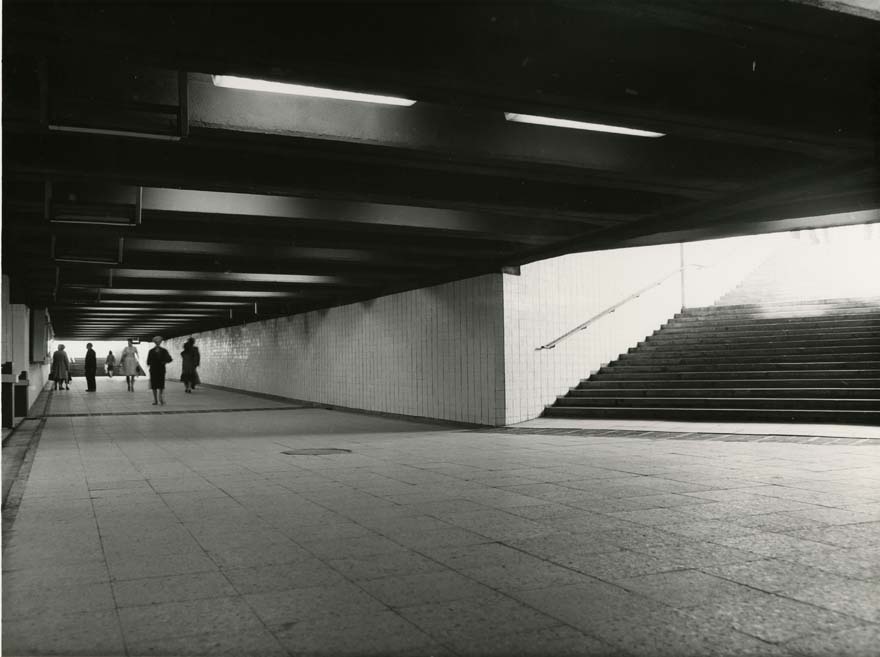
[[234, 82], [579, 125]]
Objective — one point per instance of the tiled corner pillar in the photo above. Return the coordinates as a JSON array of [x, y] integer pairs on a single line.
[[16, 343]]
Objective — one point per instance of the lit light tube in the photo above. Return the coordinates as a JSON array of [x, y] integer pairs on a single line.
[[579, 125], [249, 84]]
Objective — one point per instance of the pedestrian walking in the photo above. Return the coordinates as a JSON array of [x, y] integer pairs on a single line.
[[190, 359], [129, 363], [157, 358], [91, 368], [60, 372], [110, 364]]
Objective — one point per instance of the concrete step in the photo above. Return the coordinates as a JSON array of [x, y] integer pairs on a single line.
[[793, 303], [787, 368], [791, 310], [617, 374], [592, 391], [755, 348], [776, 403], [871, 418], [600, 381], [671, 342], [786, 297], [802, 355], [769, 315], [863, 319], [756, 331]]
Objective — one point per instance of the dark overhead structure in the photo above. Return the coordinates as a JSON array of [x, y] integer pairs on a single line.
[[145, 192]]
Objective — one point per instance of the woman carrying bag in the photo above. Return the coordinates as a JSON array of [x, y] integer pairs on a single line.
[[130, 364]]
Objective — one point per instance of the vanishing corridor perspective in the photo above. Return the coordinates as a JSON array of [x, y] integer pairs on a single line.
[[367, 329]]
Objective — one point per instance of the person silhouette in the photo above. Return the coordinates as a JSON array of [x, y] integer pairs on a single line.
[[60, 372], [129, 362], [91, 368], [157, 358]]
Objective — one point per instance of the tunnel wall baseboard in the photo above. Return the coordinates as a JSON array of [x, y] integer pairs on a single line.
[[346, 409]]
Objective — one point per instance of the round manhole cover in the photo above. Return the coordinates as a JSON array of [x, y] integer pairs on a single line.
[[316, 451]]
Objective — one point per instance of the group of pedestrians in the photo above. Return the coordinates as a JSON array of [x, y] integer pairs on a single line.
[[130, 366]]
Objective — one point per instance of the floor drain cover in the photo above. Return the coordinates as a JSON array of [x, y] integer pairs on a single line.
[[316, 451]]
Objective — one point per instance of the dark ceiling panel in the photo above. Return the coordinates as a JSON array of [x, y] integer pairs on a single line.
[[138, 197]]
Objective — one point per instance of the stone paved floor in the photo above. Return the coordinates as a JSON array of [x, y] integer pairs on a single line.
[[192, 534]]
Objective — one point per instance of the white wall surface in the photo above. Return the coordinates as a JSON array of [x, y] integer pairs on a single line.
[[6, 317], [730, 260], [16, 333], [434, 352], [553, 296]]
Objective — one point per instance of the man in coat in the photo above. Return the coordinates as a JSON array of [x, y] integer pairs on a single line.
[[91, 368], [60, 372], [157, 358]]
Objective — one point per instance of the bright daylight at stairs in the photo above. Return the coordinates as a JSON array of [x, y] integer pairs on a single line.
[[797, 341]]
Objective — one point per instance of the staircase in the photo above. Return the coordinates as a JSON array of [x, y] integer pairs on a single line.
[[757, 355]]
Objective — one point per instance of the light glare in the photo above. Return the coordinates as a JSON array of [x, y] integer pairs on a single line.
[[250, 84], [579, 125]]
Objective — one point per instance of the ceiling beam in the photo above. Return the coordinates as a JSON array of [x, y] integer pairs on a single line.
[[862, 8]]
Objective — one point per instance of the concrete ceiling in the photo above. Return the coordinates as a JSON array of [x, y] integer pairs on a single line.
[[140, 197]]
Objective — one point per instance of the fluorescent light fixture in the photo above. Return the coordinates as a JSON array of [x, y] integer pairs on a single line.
[[228, 276], [579, 125], [91, 220], [76, 260], [250, 84], [115, 133]]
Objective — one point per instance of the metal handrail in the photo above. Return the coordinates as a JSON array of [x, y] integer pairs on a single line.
[[611, 309]]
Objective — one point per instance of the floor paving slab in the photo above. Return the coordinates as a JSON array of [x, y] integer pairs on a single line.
[[187, 618], [674, 633], [855, 642], [560, 641], [224, 643], [775, 619], [773, 575], [345, 599], [87, 633], [173, 588], [283, 577], [469, 619], [379, 633]]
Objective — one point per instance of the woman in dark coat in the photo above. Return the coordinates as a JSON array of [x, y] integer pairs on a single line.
[[60, 372], [189, 361], [157, 358]]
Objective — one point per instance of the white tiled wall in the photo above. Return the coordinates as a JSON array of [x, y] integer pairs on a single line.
[[552, 296], [16, 343], [434, 352], [730, 260]]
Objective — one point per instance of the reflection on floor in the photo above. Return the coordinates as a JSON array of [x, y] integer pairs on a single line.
[[194, 534]]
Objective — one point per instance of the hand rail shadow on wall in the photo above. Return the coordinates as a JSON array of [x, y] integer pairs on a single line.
[[611, 309]]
